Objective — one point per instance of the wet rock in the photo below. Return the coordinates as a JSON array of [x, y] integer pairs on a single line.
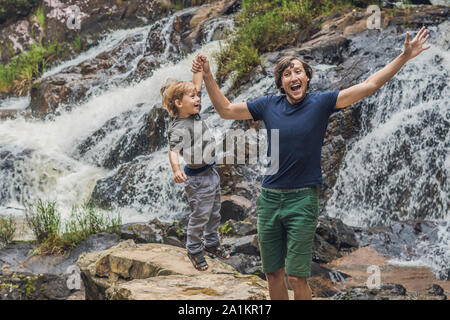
[[171, 39], [326, 49], [323, 280], [19, 256], [155, 231], [385, 292], [140, 233], [436, 290], [150, 137], [61, 264], [408, 240], [11, 160], [247, 245], [74, 84], [323, 252], [241, 228], [246, 264], [388, 291], [332, 238], [28, 286], [10, 114], [234, 207], [335, 232], [135, 184], [232, 7]]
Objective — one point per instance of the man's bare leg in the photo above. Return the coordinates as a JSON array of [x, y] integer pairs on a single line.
[[277, 285], [302, 291]]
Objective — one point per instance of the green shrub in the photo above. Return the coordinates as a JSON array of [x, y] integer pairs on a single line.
[[77, 43], [55, 238], [24, 68], [40, 16], [7, 229], [226, 229], [43, 219], [86, 220], [263, 26]]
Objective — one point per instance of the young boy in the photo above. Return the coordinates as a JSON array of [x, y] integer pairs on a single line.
[[189, 136]]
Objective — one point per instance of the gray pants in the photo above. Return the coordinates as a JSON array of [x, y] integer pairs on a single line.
[[203, 193]]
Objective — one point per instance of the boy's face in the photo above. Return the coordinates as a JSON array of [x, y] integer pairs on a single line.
[[190, 103]]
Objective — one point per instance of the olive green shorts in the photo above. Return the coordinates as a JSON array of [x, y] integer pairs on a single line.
[[287, 223]]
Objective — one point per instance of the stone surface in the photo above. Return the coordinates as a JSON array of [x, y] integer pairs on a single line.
[[198, 287], [28, 286], [152, 271], [419, 283], [234, 207]]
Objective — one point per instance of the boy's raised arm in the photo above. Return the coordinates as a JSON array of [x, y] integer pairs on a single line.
[[226, 110], [197, 79]]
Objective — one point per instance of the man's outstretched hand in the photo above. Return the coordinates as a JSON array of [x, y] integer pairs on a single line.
[[415, 47], [200, 63]]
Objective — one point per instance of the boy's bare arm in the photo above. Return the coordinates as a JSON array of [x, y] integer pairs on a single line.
[[197, 79], [179, 175]]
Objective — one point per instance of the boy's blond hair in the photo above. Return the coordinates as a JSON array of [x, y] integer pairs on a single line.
[[172, 91]]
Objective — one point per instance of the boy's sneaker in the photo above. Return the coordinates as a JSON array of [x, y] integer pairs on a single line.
[[217, 250]]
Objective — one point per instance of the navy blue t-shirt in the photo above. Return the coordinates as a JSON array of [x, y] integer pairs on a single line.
[[301, 133]]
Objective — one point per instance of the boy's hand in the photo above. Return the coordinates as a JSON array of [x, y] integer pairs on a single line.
[[200, 63], [179, 176]]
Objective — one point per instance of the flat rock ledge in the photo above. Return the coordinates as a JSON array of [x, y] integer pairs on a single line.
[[154, 271]]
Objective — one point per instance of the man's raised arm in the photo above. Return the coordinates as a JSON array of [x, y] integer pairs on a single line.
[[411, 49], [226, 109]]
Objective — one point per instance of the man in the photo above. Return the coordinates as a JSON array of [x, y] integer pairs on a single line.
[[288, 205]]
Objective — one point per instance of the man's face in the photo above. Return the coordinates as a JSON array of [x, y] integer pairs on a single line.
[[294, 82]]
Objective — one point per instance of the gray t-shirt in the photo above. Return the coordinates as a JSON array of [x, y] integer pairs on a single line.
[[192, 137]]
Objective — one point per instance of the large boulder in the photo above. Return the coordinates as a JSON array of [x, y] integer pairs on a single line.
[[332, 239], [157, 271]]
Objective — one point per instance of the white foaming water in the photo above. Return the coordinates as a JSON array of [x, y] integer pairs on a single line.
[[433, 255], [15, 103], [51, 173], [398, 168], [106, 43]]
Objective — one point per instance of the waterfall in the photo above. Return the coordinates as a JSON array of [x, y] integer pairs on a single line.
[[41, 159], [398, 167]]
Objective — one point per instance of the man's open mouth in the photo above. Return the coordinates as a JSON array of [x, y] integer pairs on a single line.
[[296, 88]]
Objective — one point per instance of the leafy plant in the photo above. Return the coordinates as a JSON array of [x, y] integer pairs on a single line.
[[263, 26], [43, 219], [7, 229], [24, 68], [53, 237]]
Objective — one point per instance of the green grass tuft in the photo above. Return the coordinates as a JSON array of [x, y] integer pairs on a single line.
[[263, 26], [7, 229], [54, 237]]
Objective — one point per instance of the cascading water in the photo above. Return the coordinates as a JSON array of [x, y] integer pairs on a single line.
[[398, 167], [42, 160]]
